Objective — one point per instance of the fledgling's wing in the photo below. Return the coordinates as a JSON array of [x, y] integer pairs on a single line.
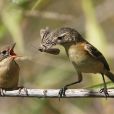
[[96, 54]]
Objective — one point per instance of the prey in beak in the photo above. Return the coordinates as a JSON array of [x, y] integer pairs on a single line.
[[54, 51], [46, 43]]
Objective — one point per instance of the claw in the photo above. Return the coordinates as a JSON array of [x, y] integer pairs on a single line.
[[105, 92], [62, 92], [25, 90]]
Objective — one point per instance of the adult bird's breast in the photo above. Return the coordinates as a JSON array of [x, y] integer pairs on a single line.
[[83, 61]]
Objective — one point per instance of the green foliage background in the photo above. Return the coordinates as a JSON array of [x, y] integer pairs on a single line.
[[21, 21]]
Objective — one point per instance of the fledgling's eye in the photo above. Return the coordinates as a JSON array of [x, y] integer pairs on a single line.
[[4, 52], [59, 38]]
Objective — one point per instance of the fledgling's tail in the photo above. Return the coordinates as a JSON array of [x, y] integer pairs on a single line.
[[109, 75]]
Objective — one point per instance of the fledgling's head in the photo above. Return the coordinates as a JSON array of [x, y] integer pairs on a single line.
[[7, 52], [60, 36]]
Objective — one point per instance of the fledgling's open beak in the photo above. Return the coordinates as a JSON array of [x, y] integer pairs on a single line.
[[12, 53]]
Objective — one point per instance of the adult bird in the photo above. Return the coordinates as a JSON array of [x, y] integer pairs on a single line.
[[84, 56]]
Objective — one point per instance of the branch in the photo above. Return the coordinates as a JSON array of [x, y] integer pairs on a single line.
[[53, 93]]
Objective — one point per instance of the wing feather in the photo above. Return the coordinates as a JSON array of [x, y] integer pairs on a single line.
[[96, 54]]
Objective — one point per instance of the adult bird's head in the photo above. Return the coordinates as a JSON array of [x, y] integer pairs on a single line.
[[63, 36]]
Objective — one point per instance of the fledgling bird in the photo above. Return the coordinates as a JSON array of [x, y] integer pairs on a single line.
[[84, 56], [9, 69]]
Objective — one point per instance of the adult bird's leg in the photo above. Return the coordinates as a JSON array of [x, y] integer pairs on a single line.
[[62, 91], [105, 87]]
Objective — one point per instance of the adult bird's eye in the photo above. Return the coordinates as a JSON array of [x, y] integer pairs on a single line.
[[59, 38]]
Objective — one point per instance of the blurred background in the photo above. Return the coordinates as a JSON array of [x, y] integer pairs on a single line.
[[21, 21]]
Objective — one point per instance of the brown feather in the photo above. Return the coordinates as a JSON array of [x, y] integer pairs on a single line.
[[96, 54]]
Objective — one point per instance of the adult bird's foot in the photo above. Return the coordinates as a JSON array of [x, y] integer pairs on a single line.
[[105, 92], [62, 92], [25, 90]]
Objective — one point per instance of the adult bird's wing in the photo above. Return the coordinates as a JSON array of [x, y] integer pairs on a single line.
[[96, 54]]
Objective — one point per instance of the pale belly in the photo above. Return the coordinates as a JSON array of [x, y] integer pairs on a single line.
[[85, 63]]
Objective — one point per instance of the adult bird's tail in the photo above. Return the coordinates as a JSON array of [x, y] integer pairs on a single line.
[[109, 75]]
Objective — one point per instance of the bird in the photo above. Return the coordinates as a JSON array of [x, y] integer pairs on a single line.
[[84, 56], [9, 69]]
